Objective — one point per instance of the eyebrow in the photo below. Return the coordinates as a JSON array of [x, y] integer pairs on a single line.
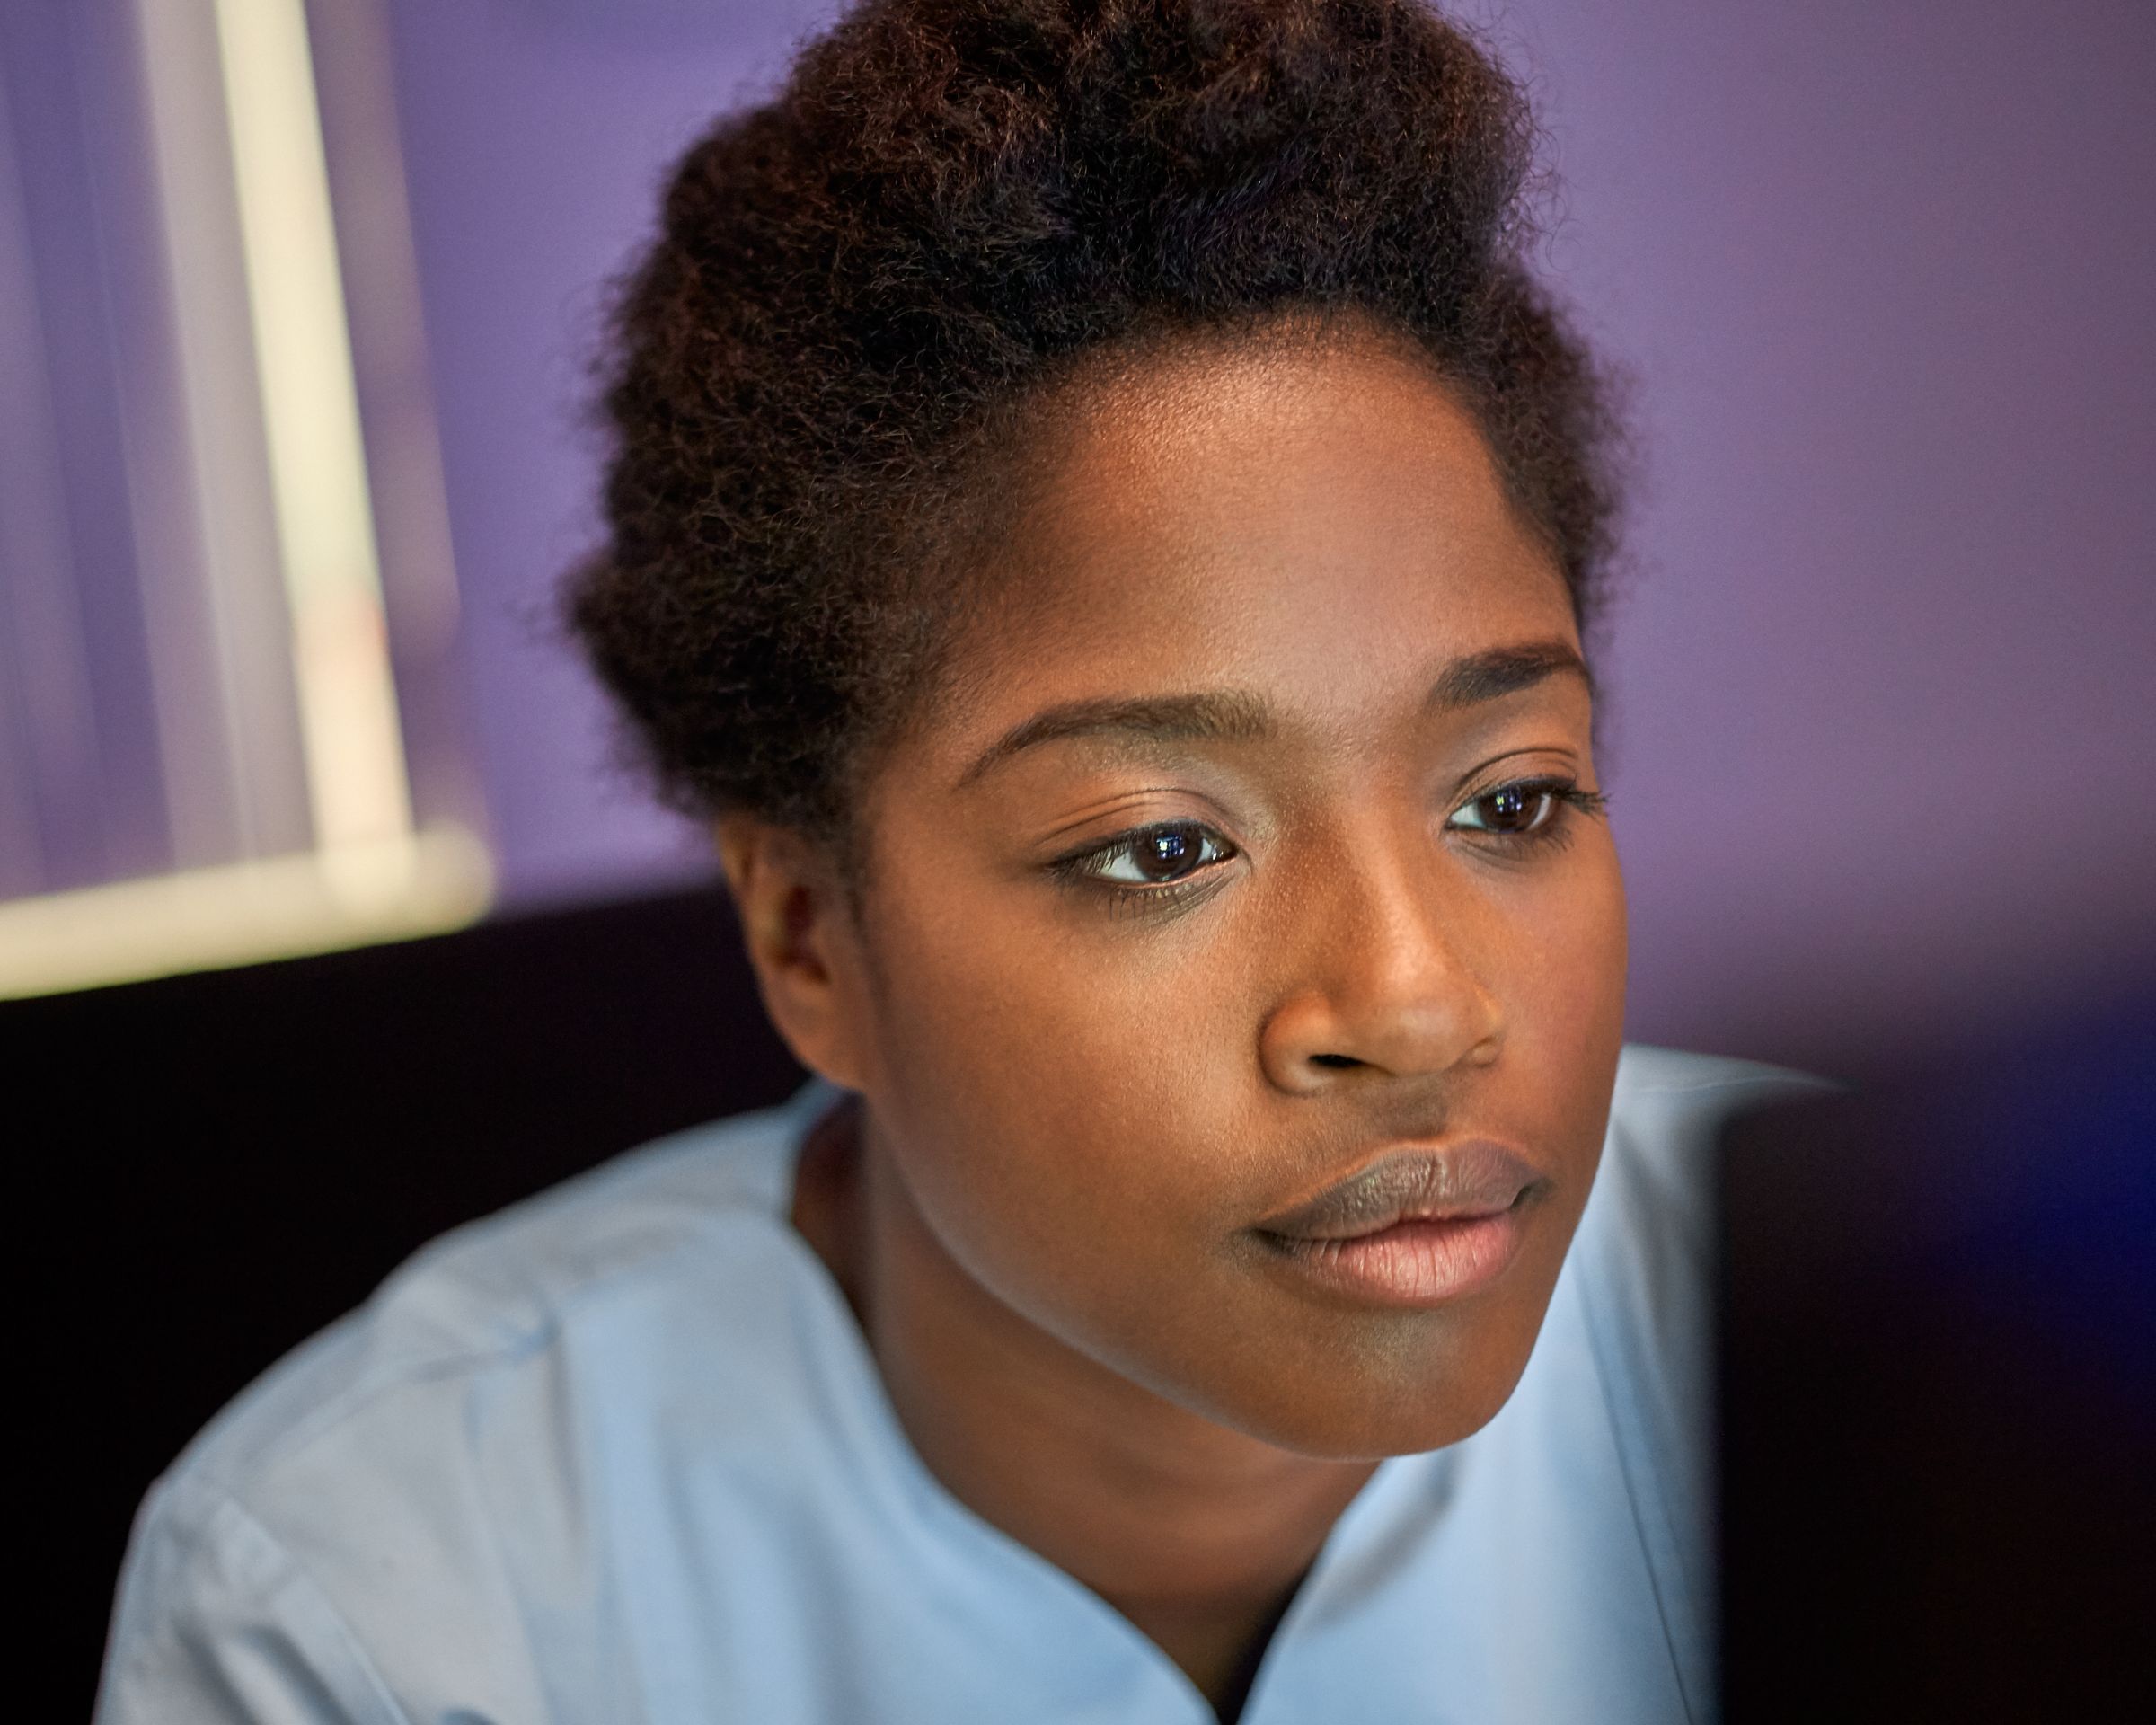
[[1228, 716], [1236, 716], [1504, 670]]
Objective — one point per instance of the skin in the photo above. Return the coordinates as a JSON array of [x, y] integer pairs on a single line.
[[1081, 1093]]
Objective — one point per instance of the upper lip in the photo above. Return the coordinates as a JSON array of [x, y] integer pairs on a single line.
[[1415, 1183]]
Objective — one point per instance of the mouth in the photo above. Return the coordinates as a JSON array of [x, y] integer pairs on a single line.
[[1419, 1227]]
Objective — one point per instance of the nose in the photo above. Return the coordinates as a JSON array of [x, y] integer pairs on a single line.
[[1387, 971]]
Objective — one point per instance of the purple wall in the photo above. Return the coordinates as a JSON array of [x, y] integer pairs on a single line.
[[535, 136], [1881, 273]]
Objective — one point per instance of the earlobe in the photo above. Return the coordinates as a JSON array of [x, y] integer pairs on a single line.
[[792, 912]]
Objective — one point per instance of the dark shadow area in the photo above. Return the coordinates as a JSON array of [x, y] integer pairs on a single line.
[[217, 1166], [1938, 1387]]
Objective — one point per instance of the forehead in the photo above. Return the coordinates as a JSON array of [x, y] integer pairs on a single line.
[[1317, 524]]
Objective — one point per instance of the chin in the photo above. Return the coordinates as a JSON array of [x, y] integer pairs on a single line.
[[1394, 1395], [1365, 1430]]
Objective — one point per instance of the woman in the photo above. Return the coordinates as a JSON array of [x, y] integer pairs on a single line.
[[1104, 525]]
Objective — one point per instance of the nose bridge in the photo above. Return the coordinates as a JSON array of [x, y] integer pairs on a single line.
[[1416, 918], [1386, 969]]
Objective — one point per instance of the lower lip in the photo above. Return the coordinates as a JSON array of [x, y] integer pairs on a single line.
[[1412, 1263]]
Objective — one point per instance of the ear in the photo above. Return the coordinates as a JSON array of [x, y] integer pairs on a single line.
[[797, 925]]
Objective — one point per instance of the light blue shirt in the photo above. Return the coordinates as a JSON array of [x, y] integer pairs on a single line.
[[621, 1454]]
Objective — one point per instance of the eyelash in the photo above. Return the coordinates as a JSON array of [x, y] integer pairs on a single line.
[[1549, 831], [1089, 867]]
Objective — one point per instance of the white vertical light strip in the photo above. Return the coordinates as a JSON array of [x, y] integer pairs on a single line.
[[355, 89], [354, 749], [196, 472]]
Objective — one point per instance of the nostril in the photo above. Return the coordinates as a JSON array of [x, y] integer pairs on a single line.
[[1341, 1060]]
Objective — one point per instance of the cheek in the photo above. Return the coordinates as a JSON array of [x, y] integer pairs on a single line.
[[1563, 972], [1041, 1083], [1573, 941]]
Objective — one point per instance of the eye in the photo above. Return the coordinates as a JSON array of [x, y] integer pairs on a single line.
[[1154, 856], [1522, 808], [1510, 808]]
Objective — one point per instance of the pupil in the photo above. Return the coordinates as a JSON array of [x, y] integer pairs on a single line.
[[1163, 855], [1513, 806]]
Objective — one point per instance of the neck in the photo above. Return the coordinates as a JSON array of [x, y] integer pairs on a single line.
[[1196, 1534]]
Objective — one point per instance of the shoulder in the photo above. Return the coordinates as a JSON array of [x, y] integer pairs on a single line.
[[402, 1478], [489, 1296]]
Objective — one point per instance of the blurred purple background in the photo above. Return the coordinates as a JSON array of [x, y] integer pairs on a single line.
[[1881, 274]]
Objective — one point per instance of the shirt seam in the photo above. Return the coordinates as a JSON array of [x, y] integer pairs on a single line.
[[221, 1502], [1629, 1465]]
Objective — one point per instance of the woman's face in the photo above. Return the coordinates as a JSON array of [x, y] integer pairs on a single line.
[[1243, 951]]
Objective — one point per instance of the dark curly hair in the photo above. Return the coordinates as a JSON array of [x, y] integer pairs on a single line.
[[949, 206]]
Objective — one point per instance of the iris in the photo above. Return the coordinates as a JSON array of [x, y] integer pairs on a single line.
[[1168, 852]]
